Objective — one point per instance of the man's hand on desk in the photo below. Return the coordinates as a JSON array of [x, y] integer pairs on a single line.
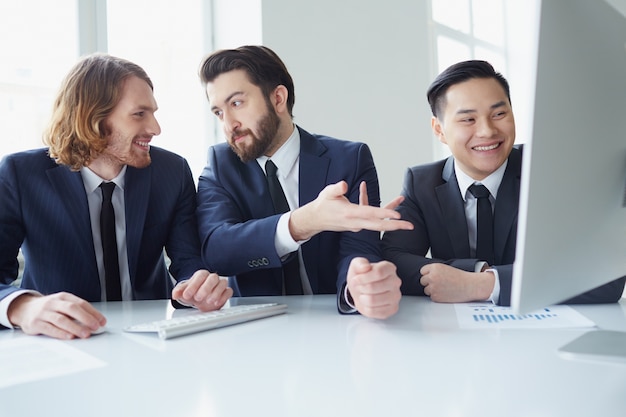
[[204, 290], [61, 315], [447, 284], [374, 288]]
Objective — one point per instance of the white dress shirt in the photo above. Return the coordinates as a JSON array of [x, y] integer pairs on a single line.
[[92, 182]]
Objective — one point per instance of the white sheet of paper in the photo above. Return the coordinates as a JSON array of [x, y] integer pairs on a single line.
[[489, 316], [33, 358]]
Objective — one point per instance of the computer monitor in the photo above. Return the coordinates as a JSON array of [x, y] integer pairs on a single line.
[[572, 216]]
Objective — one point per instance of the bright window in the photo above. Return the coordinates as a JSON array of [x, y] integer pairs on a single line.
[[42, 40], [469, 29], [39, 45], [167, 39], [502, 32]]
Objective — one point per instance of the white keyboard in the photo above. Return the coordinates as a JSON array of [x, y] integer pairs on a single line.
[[199, 321]]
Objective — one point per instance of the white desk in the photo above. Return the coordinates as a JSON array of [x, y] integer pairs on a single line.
[[314, 362]]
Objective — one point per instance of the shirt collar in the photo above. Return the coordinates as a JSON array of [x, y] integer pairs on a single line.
[[92, 181], [286, 156], [492, 182]]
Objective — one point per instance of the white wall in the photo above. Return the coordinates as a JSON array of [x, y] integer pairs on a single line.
[[361, 69]]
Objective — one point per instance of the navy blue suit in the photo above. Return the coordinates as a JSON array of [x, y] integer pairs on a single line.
[[43, 209], [237, 221], [433, 203]]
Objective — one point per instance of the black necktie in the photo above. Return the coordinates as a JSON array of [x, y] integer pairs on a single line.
[[484, 220], [109, 244], [292, 283]]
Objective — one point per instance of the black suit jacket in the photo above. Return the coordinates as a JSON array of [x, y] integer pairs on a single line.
[[433, 203], [238, 224], [44, 210]]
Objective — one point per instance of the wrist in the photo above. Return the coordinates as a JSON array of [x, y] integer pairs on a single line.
[[487, 282], [300, 226], [14, 312]]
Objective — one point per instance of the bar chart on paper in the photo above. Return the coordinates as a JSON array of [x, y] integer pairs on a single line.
[[486, 316]]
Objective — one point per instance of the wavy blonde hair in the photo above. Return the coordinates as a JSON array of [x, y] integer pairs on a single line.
[[77, 131]]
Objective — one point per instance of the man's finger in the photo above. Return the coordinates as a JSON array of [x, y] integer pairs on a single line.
[[335, 190], [363, 199], [394, 203]]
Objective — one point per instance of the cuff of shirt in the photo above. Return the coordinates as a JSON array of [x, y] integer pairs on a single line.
[[495, 294], [4, 306], [283, 241], [346, 303]]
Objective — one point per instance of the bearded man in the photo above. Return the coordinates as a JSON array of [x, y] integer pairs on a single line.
[[282, 211]]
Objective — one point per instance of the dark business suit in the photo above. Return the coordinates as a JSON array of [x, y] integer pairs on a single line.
[[237, 221], [433, 203], [43, 209]]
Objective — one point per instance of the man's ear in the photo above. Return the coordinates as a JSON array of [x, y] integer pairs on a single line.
[[437, 127], [279, 98]]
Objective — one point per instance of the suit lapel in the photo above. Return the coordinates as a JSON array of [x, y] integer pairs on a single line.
[[137, 190], [453, 211], [313, 168], [71, 191], [505, 213]]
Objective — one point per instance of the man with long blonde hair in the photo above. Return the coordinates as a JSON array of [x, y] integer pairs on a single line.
[[82, 243]]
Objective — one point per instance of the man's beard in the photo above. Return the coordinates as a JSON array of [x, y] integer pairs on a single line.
[[267, 129], [119, 152]]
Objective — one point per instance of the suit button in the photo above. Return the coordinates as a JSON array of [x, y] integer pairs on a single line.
[[255, 263]]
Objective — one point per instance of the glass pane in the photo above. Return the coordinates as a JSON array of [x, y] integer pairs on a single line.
[[450, 51], [488, 23], [167, 39], [496, 59], [452, 13], [39, 45]]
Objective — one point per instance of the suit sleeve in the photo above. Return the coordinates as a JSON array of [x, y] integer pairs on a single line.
[[365, 243], [607, 293], [229, 240], [11, 229], [407, 249], [183, 246]]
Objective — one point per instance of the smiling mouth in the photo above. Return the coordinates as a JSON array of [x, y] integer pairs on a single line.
[[143, 144], [486, 148]]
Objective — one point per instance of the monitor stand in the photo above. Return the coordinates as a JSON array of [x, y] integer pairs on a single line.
[[597, 345]]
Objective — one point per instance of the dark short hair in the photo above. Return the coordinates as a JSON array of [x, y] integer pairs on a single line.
[[263, 67], [458, 73]]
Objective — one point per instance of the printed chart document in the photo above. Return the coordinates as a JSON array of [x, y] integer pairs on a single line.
[[489, 316], [32, 358]]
